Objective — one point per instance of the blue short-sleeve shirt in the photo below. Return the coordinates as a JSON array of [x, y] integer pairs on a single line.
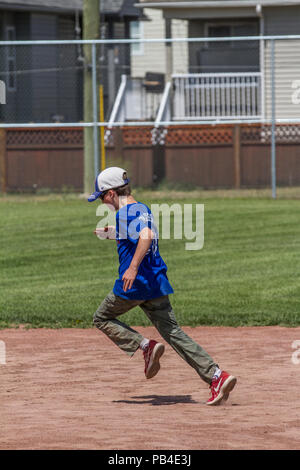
[[151, 281]]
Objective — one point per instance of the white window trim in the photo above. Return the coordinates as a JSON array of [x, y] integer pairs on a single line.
[[140, 35]]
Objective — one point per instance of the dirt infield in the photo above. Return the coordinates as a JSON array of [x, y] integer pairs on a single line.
[[74, 389]]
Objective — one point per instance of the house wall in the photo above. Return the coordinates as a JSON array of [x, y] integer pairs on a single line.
[[44, 84], [115, 61], [8, 20], [22, 110], [282, 21], [277, 21], [213, 58], [54, 91], [153, 58], [188, 13], [39, 95], [70, 81]]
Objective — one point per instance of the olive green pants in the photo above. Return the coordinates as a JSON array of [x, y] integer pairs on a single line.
[[160, 313]]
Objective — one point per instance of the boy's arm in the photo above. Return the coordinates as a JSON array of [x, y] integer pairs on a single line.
[[143, 246], [106, 232]]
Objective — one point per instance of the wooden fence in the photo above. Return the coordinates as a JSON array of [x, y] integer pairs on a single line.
[[223, 156], [41, 158]]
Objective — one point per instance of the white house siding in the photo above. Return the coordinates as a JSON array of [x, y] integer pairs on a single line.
[[283, 21], [180, 49], [153, 57], [287, 79]]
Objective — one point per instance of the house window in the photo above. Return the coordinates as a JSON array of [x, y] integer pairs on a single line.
[[219, 30], [11, 59], [136, 32]]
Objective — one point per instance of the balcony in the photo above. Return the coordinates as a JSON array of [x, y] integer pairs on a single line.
[[192, 97], [217, 96]]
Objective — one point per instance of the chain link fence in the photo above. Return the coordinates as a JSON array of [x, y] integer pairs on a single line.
[[45, 83], [152, 91]]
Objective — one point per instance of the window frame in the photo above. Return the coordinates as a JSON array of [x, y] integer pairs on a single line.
[[139, 51]]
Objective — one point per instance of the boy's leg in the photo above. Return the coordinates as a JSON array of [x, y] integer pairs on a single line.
[[121, 334], [160, 313]]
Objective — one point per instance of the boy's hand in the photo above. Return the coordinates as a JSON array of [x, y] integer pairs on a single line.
[[129, 277], [106, 232]]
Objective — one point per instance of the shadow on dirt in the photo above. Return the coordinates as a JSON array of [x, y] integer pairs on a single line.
[[157, 400]]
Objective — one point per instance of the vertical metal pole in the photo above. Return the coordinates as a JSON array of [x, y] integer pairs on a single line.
[[169, 62], [262, 68], [111, 76], [3, 172], [102, 140], [273, 145], [95, 109], [90, 21]]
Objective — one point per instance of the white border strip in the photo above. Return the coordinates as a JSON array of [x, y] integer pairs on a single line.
[[152, 40], [147, 123]]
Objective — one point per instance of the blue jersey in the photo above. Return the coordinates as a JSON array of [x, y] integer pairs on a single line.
[[151, 281]]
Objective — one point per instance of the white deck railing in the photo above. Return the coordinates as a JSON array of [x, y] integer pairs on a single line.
[[217, 96]]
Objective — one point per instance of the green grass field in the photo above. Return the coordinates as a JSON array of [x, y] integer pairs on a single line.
[[55, 272]]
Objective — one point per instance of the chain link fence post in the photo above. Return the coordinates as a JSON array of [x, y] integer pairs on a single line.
[[273, 138]]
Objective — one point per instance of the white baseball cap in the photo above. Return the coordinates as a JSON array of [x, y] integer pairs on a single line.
[[110, 178]]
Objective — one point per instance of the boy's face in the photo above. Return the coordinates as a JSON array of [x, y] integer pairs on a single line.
[[110, 198]]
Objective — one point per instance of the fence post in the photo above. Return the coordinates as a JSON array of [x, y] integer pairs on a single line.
[[158, 161], [118, 144], [95, 109], [273, 140], [2, 161], [169, 62], [237, 155]]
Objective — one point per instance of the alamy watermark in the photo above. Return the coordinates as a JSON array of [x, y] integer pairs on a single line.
[[176, 221], [296, 353], [296, 93], [2, 353], [2, 92]]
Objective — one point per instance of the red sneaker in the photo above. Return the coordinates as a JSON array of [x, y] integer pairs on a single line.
[[152, 354], [220, 388]]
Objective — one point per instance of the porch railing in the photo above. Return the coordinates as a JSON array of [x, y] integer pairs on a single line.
[[217, 96]]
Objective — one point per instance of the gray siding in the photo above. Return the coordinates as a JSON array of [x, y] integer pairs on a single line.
[[153, 57], [283, 21], [7, 110], [57, 77], [70, 75], [24, 84], [44, 84], [287, 73]]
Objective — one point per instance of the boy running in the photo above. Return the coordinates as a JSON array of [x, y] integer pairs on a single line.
[[143, 282]]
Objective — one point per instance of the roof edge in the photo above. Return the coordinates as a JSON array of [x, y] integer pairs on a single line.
[[217, 4]]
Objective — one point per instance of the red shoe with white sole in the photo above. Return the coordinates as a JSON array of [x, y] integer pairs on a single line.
[[152, 354], [220, 388]]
